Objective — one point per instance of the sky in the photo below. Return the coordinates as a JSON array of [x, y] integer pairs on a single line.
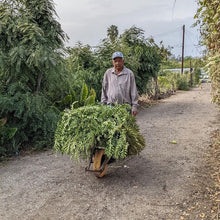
[[87, 21]]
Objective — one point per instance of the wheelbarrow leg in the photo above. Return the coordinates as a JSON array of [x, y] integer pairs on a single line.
[[100, 163]]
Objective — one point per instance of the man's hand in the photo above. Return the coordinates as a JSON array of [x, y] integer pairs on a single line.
[[134, 113]]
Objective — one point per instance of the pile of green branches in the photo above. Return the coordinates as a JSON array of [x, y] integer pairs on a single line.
[[114, 129]]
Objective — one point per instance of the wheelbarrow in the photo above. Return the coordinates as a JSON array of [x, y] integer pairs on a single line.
[[99, 162]]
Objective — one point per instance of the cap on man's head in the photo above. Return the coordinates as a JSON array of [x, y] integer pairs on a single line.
[[117, 54]]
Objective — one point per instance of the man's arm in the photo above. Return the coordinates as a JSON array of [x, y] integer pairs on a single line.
[[134, 96]]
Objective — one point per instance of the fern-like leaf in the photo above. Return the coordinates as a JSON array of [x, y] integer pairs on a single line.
[[84, 93]]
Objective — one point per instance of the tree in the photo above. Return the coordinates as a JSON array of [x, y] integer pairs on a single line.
[[31, 49], [144, 56], [84, 67], [30, 39], [80, 57], [112, 33], [133, 36]]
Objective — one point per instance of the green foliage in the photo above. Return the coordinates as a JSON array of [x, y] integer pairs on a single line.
[[175, 63], [164, 84], [90, 100], [32, 116], [171, 81], [84, 67], [196, 75], [84, 93], [92, 79], [171, 64], [149, 60], [77, 99], [30, 39], [183, 82], [86, 97], [133, 36], [213, 67], [80, 57], [81, 130], [31, 60], [142, 56], [6, 134], [112, 33], [208, 16]]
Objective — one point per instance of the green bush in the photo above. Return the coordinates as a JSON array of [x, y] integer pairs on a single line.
[[167, 81], [31, 73], [171, 81], [6, 134], [196, 75], [164, 84], [91, 79], [183, 82], [208, 19], [34, 118]]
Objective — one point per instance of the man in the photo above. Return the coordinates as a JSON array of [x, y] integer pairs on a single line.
[[119, 84]]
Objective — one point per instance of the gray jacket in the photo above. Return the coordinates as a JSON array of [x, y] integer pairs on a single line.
[[120, 88]]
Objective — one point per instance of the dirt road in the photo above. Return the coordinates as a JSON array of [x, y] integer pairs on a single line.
[[154, 185]]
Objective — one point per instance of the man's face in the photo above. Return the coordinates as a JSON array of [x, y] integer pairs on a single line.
[[118, 63]]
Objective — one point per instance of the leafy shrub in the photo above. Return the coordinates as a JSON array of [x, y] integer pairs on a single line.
[[164, 84], [81, 130], [85, 97], [173, 80], [196, 75], [91, 79], [6, 134], [33, 117], [208, 19], [167, 81], [31, 74], [183, 82]]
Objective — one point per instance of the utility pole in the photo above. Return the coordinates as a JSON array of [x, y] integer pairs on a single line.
[[183, 49]]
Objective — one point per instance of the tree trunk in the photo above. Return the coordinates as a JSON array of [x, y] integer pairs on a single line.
[[40, 76]]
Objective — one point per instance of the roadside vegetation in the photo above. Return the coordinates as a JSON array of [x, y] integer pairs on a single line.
[[208, 185], [40, 77], [207, 18]]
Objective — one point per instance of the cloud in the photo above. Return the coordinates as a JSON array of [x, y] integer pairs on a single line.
[[87, 20]]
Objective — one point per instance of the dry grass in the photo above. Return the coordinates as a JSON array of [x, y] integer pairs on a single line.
[[205, 203]]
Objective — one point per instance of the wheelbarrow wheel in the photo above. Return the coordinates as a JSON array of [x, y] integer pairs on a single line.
[[98, 160]]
